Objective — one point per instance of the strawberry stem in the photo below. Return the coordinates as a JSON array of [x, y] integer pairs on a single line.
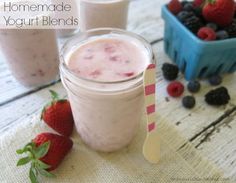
[[54, 95], [34, 154], [211, 1], [55, 98]]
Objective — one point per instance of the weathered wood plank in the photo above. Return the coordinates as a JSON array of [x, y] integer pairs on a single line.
[[144, 19], [218, 143]]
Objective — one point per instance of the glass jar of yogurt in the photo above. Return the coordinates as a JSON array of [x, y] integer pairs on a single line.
[[31, 54], [103, 13], [102, 71]]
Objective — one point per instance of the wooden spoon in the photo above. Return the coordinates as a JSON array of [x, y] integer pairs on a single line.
[[151, 146]]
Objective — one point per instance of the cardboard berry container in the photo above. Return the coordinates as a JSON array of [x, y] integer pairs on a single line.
[[196, 58]]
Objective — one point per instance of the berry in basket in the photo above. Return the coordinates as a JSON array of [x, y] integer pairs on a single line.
[[207, 34], [231, 30], [218, 15]]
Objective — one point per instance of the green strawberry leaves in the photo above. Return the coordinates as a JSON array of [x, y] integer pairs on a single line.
[[43, 165], [34, 154], [45, 173], [211, 1], [33, 176], [42, 150], [54, 95], [23, 161]]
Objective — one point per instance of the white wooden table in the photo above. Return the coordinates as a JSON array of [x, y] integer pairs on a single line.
[[211, 130]]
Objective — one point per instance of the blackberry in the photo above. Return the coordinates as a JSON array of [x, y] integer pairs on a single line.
[[193, 23], [217, 97], [194, 86], [189, 102], [188, 7], [170, 71], [184, 3], [232, 29]]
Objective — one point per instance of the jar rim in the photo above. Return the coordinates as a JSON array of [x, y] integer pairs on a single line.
[[64, 68]]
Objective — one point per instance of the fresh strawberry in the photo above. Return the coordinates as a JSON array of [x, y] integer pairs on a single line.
[[175, 6], [59, 148], [58, 115], [235, 10], [220, 12], [198, 3], [45, 153]]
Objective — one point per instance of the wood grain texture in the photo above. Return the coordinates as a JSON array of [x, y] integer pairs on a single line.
[[210, 129]]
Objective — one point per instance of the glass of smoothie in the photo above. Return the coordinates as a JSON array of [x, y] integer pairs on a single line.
[[31, 54], [30, 51], [103, 13], [102, 71]]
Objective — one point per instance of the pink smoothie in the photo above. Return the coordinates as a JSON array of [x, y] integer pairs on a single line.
[[103, 13], [32, 55], [105, 88]]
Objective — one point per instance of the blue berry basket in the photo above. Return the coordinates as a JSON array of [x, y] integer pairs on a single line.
[[194, 57]]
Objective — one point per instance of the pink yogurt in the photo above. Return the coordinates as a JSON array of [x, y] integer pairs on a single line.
[[108, 59], [103, 13], [102, 72], [31, 54]]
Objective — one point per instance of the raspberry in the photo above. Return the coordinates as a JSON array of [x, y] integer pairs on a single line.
[[175, 6], [175, 89], [217, 97], [206, 34], [194, 86], [193, 23], [215, 80], [170, 71], [232, 29], [188, 102]]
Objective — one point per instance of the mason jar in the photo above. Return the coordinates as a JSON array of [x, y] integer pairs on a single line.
[[107, 114], [105, 13]]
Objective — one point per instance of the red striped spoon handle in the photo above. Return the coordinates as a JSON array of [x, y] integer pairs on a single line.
[[151, 146]]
